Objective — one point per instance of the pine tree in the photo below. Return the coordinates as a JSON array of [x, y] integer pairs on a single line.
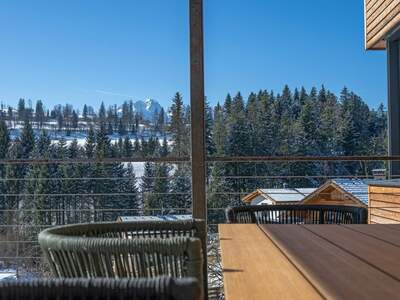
[[238, 137], [127, 147], [60, 121], [219, 131], [75, 119], [103, 143], [43, 144], [128, 204], [4, 139], [178, 128], [73, 150], [147, 186], [228, 104], [90, 143], [85, 112], [160, 121], [102, 114], [164, 151], [22, 110], [136, 147], [4, 147], [180, 198], [210, 145], [121, 128], [238, 144], [27, 140], [39, 113]]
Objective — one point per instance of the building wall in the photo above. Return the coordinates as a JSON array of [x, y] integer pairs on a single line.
[[381, 16], [384, 205]]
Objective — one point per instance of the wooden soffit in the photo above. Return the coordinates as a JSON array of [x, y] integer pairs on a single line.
[[381, 18]]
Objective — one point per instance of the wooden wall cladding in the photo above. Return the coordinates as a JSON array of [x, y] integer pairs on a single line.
[[384, 205], [381, 17]]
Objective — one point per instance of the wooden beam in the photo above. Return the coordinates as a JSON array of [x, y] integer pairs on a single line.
[[197, 110], [198, 145]]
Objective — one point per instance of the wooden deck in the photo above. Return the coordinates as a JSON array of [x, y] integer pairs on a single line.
[[310, 261]]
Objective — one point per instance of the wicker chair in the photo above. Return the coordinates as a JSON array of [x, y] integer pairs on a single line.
[[161, 288], [131, 249], [297, 214]]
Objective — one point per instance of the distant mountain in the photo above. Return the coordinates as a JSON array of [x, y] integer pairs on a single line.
[[147, 109]]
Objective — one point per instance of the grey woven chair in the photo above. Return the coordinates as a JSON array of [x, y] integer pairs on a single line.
[[161, 288], [131, 249]]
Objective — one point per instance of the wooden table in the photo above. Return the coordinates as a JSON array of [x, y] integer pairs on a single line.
[[310, 261]]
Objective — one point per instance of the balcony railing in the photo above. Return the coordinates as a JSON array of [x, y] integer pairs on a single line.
[[35, 200]]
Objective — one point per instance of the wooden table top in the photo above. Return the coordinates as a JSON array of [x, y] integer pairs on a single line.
[[310, 261]]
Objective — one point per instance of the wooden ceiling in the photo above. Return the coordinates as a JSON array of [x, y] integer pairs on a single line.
[[381, 17]]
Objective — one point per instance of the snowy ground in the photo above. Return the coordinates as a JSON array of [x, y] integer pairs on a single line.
[[80, 136]]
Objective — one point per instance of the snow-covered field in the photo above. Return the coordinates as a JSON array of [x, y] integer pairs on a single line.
[[80, 136]]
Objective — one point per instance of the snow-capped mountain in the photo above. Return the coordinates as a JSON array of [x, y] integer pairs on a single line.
[[147, 108]]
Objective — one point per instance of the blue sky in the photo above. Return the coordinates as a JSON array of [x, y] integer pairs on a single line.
[[96, 50]]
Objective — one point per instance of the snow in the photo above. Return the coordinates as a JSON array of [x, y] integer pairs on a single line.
[[148, 108], [8, 274]]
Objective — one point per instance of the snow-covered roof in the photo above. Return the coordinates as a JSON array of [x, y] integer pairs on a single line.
[[8, 274], [281, 195], [154, 218], [357, 187]]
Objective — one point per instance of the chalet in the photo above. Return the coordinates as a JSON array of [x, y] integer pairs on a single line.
[[277, 196], [340, 191]]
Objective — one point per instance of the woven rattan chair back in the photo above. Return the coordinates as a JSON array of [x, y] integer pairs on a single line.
[[161, 288], [118, 250]]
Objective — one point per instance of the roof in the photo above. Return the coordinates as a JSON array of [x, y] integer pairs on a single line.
[[154, 218], [356, 188], [280, 195], [386, 183]]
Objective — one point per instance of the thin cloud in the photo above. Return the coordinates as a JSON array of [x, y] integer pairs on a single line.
[[112, 93]]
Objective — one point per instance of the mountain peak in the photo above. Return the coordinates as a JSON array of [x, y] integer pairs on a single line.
[[147, 108]]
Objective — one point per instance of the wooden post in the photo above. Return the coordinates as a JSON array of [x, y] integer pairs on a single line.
[[197, 110], [198, 154]]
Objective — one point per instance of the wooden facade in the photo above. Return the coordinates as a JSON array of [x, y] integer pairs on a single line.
[[381, 18], [334, 193], [384, 204]]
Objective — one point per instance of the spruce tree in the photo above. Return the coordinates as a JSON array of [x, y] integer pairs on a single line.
[[4, 148], [102, 114], [219, 131], [210, 145], [147, 186], [75, 119], [39, 113], [127, 147], [21, 110], [90, 143], [85, 112], [27, 140], [177, 127]]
